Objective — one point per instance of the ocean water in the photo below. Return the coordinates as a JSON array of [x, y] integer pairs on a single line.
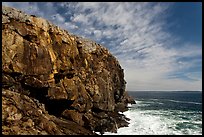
[[164, 113]]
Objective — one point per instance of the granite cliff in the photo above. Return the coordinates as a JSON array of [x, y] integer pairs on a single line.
[[57, 83]]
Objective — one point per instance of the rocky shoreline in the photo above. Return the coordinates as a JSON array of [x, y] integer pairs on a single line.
[[55, 83]]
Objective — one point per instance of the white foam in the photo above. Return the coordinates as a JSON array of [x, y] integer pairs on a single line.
[[153, 122], [142, 124], [129, 105]]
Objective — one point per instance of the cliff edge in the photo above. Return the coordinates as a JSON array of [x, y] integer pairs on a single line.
[[57, 83]]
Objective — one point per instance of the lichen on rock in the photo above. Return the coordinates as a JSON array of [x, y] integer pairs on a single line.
[[56, 83]]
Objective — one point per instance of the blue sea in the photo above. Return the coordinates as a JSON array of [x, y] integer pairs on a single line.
[[164, 113]]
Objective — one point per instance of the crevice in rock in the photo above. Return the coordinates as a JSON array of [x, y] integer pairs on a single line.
[[70, 75], [62, 75], [37, 93], [30, 38], [53, 106], [57, 106], [57, 77], [96, 110], [15, 75], [27, 37], [71, 60]]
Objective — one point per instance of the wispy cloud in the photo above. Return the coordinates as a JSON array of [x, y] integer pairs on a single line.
[[135, 33]]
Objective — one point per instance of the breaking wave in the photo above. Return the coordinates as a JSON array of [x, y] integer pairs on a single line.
[[146, 121]]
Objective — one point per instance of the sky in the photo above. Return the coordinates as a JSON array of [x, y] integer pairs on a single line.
[[159, 45]]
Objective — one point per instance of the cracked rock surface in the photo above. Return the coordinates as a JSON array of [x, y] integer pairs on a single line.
[[57, 83]]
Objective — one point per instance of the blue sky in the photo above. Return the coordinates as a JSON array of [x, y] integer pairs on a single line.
[[159, 45]]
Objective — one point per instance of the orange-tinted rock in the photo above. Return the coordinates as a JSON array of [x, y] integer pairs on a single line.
[[74, 116], [70, 75]]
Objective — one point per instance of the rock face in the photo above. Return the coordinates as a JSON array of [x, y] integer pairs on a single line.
[[57, 83]]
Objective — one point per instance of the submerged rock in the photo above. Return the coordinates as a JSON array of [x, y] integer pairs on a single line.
[[57, 83]]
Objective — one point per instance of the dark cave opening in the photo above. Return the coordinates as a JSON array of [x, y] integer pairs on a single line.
[[57, 106], [53, 106]]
